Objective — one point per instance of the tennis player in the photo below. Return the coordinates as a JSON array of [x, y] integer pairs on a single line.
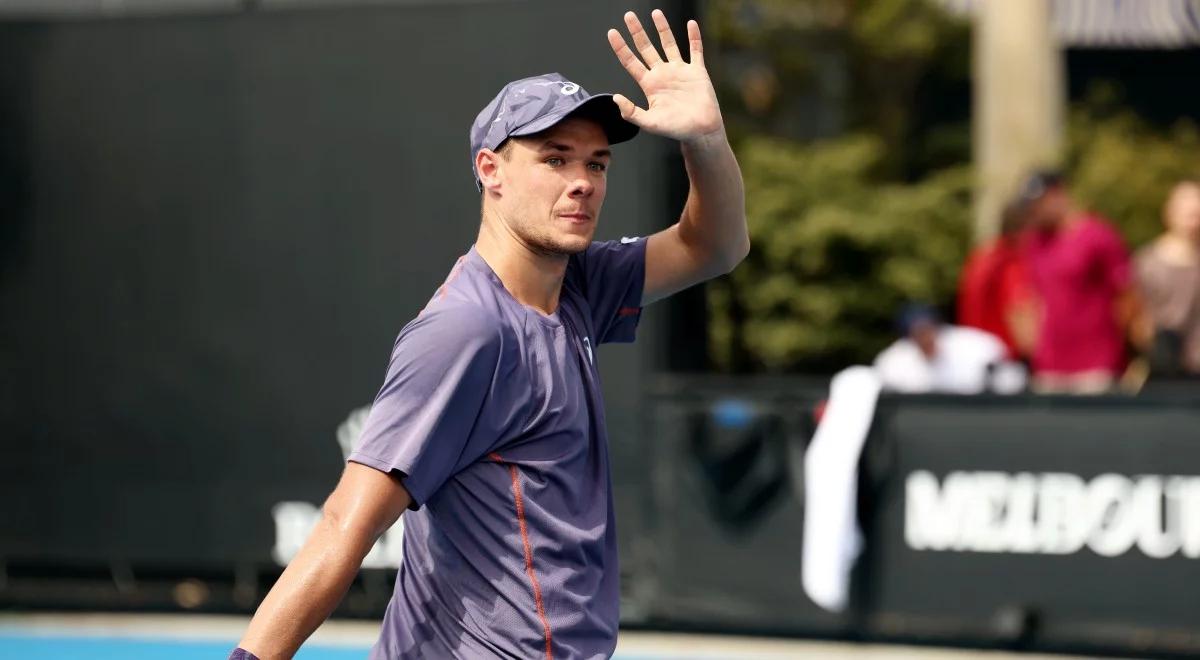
[[489, 429]]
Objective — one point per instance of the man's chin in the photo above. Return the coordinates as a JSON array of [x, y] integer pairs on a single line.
[[568, 245], [573, 247]]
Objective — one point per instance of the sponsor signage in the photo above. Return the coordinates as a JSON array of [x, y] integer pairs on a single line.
[[1054, 513], [1051, 522]]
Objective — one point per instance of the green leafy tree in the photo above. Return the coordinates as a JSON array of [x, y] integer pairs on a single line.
[[837, 251], [870, 207], [1122, 167], [845, 228]]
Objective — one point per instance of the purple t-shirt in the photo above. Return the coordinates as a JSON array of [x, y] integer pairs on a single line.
[[492, 413]]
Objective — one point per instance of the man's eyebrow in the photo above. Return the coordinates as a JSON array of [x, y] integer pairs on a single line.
[[551, 145]]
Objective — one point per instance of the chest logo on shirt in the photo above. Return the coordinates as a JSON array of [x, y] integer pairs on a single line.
[[587, 343]]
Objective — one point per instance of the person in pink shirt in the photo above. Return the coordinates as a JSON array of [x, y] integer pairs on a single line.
[[1082, 271]]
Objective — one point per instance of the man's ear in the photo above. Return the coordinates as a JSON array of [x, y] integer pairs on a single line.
[[487, 166]]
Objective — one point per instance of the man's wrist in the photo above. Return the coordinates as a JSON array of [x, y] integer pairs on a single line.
[[707, 142]]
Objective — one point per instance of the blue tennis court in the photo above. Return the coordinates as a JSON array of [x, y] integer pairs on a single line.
[[71, 647], [47, 647], [101, 636]]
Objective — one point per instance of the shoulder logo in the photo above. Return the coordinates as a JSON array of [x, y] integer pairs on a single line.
[[625, 240], [587, 343]]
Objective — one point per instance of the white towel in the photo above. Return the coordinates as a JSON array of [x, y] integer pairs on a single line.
[[832, 539]]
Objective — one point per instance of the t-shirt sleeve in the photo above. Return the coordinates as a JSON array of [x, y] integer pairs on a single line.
[[614, 274], [424, 422]]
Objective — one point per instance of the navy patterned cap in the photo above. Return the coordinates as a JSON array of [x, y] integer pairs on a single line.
[[530, 105]]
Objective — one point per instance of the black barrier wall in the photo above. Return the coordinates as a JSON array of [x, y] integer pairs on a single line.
[[213, 227], [725, 536], [1037, 523], [1054, 523]]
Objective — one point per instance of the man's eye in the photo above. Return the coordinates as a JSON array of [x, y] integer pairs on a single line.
[[554, 161], [598, 167]]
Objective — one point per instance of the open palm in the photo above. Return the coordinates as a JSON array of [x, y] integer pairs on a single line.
[[680, 101]]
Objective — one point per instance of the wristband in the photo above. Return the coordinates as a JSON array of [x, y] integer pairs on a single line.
[[242, 654]]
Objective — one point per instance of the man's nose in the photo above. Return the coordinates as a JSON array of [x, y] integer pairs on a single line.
[[581, 186]]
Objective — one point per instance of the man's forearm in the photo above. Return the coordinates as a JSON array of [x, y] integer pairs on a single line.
[[306, 594], [714, 218]]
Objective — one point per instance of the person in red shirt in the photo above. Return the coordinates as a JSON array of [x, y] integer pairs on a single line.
[[994, 293], [1082, 272]]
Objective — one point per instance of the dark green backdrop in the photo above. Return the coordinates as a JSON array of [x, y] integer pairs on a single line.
[[212, 228]]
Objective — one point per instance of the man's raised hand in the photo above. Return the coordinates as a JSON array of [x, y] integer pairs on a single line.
[[680, 100]]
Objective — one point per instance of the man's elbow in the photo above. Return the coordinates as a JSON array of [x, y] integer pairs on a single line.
[[349, 529], [734, 255]]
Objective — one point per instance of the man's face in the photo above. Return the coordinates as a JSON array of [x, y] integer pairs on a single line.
[[924, 334], [552, 186], [1050, 209], [1183, 211]]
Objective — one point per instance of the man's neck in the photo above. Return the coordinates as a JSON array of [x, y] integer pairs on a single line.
[[533, 278], [1072, 218]]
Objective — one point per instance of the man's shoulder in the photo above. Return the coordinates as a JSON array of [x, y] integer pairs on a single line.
[[598, 250], [468, 302], [1096, 225], [1096, 220], [902, 350], [456, 321], [576, 274], [453, 311], [972, 339], [1147, 255], [600, 258]]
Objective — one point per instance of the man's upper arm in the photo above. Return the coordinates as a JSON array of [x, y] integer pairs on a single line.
[[674, 264], [427, 421], [366, 502], [670, 266]]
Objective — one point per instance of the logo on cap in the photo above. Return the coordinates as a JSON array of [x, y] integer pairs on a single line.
[[565, 86]]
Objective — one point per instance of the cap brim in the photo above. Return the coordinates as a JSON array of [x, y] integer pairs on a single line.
[[599, 108]]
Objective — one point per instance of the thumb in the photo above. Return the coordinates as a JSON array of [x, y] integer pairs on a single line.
[[629, 112]]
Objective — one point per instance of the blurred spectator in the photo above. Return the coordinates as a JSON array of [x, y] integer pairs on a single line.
[[1081, 271], [994, 294], [934, 357], [1168, 274]]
